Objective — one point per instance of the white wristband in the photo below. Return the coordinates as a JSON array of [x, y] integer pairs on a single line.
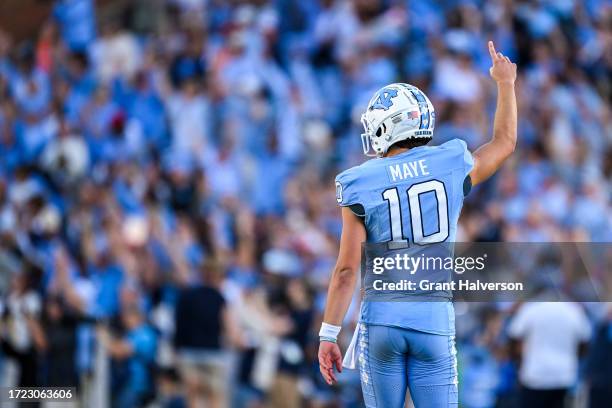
[[329, 331]]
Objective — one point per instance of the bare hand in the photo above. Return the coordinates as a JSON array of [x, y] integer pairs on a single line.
[[503, 70], [329, 356]]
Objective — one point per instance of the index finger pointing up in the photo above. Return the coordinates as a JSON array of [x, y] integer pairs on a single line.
[[492, 51]]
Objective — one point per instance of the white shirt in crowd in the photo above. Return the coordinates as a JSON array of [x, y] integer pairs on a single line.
[[551, 333], [20, 307]]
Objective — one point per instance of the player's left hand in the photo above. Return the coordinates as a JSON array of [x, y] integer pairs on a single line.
[[329, 356]]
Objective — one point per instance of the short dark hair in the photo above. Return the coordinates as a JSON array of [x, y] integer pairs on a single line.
[[413, 142]]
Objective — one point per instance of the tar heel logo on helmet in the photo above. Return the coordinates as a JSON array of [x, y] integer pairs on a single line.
[[383, 101]]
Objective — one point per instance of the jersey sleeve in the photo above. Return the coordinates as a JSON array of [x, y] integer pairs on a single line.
[[347, 192], [460, 149], [460, 154]]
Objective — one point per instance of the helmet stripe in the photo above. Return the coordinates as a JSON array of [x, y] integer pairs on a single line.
[[425, 120], [423, 108]]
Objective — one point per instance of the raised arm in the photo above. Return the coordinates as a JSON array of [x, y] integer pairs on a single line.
[[490, 156], [340, 293]]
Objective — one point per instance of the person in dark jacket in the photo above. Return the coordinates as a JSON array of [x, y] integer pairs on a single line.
[[202, 321], [598, 368], [60, 326]]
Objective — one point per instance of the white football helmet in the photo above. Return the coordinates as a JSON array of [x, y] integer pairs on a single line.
[[396, 112]]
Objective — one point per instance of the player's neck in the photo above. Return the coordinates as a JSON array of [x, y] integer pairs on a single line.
[[394, 151]]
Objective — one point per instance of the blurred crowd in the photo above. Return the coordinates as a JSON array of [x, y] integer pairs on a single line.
[[167, 212]]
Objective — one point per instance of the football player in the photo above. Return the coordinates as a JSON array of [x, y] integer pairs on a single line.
[[412, 193]]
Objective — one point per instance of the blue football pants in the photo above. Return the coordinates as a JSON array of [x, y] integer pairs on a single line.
[[392, 359]]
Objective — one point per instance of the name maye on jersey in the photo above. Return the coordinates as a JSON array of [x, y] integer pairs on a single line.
[[411, 169]]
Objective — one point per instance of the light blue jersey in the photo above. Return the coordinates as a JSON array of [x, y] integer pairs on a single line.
[[414, 197]]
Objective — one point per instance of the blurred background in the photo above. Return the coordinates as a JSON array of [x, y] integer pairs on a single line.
[[167, 213]]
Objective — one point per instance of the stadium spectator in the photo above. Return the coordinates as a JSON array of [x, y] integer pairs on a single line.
[[134, 354], [22, 335], [550, 335], [202, 319], [297, 305], [59, 325], [598, 370]]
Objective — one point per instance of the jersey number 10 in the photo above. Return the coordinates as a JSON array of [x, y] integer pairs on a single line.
[[392, 197]]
